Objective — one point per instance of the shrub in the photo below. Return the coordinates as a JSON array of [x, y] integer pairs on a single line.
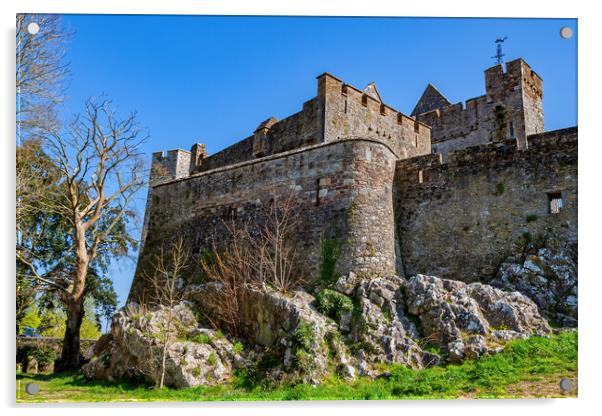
[[212, 359], [196, 372], [304, 360], [44, 355], [330, 254], [238, 348], [201, 339], [333, 304], [304, 336], [531, 218]]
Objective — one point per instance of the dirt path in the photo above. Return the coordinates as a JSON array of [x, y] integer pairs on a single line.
[[547, 386]]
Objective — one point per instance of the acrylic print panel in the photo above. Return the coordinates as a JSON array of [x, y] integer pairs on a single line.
[[319, 208]]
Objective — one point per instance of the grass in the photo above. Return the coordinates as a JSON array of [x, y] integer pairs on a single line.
[[527, 368]]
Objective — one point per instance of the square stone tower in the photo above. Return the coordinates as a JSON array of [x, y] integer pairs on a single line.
[[510, 109]]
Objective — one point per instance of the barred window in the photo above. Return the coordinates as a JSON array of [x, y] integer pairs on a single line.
[[555, 200]]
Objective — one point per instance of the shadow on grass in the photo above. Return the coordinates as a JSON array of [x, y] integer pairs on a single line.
[[76, 378]]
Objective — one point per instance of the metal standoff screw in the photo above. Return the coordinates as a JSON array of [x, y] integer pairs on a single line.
[[566, 384], [566, 32], [32, 388], [33, 28]]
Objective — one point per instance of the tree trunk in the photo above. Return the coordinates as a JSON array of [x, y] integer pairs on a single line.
[[71, 357]]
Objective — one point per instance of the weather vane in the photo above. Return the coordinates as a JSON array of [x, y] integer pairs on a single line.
[[499, 55]]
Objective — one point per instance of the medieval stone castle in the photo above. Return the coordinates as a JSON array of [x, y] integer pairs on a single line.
[[449, 190]]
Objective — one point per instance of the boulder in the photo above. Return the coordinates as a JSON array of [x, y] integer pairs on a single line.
[[137, 343]]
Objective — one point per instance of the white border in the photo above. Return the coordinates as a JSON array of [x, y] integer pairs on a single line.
[[590, 202]]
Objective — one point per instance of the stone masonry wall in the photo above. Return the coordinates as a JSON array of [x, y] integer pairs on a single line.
[[296, 131], [350, 112], [343, 190], [460, 219], [510, 109]]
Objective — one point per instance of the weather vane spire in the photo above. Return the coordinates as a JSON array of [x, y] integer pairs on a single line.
[[499, 55]]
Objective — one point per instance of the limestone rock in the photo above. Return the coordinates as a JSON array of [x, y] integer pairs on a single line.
[[288, 325], [347, 284], [382, 329], [135, 350], [468, 320], [548, 276]]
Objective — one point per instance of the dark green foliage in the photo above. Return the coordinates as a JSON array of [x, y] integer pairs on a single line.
[[333, 304], [531, 218], [43, 355], [330, 254], [501, 123], [304, 336], [500, 188]]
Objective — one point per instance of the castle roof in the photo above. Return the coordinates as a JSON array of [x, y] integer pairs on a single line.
[[430, 100], [372, 92]]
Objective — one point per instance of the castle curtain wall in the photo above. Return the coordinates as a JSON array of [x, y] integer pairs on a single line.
[[460, 219]]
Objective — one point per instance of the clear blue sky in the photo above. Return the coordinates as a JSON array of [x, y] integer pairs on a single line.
[[214, 79]]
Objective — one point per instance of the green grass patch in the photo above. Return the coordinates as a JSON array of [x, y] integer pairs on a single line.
[[491, 376]]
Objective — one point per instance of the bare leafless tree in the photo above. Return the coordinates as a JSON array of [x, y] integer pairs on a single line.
[[41, 72], [98, 161], [271, 241], [258, 253], [229, 267], [166, 284]]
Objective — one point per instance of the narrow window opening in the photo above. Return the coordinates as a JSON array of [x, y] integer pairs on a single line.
[[365, 100], [399, 118], [344, 90], [345, 106], [416, 141], [416, 127], [511, 129], [230, 213], [318, 192], [555, 202], [383, 110]]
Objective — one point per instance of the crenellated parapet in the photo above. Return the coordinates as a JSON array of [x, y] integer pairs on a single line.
[[349, 111], [510, 109]]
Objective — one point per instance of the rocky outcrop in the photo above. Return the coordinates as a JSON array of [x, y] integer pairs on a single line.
[[352, 329], [381, 329], [285, 326], [469, 320], [547, 275], [424, 320], [134, 350]]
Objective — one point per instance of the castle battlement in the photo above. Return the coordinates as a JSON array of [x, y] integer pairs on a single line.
[[338, 111]]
